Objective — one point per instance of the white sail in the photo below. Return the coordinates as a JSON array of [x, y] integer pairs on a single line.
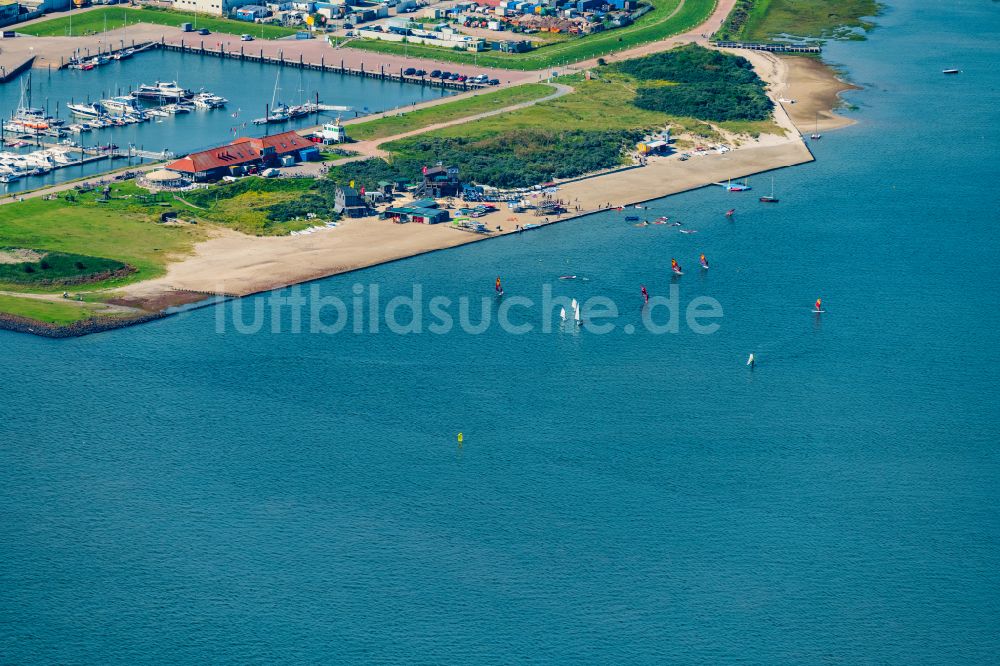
[[576, 311], [750, 360], [562, 313], [573, 304]]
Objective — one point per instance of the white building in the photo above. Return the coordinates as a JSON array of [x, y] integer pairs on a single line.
[[214, 7]]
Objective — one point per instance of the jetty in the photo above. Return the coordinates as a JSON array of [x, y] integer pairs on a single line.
[[771, 47], [334, 67]]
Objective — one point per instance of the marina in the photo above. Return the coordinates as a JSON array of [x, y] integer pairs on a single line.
[[124, 105], [88, 62]]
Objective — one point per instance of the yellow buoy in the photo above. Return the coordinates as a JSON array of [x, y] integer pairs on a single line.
[[460, 439]]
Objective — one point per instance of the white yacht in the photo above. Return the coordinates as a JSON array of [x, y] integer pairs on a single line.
[[121, 106], [207, 100], [86, 110], [162, 90]]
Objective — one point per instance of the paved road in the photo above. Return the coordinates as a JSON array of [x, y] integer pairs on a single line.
[[372, 148]]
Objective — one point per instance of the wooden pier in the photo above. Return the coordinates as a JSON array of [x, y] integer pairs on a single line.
[[257, 55], [771, 47]]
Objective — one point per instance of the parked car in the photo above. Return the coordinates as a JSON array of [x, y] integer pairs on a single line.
[[246, 38], [204, 31], [494, 82], [421, 72], [409, 71], [445, 75], [462, 78], [435, 73]]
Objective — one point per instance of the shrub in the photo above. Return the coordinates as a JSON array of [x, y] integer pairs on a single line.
[[708, 101], [710, 85]]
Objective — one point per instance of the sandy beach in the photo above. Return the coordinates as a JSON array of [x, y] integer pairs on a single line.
[[236, 264], [816, 90]]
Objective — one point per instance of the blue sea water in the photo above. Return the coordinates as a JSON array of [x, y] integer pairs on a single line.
[[172, 494]]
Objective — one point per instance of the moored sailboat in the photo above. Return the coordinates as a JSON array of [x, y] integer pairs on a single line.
[[816, 135], [770, 198]]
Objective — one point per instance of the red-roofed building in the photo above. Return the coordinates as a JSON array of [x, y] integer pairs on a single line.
[[236, 157]]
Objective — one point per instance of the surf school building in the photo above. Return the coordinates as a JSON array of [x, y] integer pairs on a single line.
[[243, 154], [422, 211]]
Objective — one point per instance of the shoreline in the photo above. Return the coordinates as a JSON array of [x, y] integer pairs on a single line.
[[231, 264], [256, 265], [808, 81], [236, 264]]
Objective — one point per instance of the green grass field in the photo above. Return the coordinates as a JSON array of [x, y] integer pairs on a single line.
[[498, 99], [247, 212], [51, 312], [56, 268], [669, 17], [110, 18], [807, 18], [121, 230], [603, 103], [595, 105]]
